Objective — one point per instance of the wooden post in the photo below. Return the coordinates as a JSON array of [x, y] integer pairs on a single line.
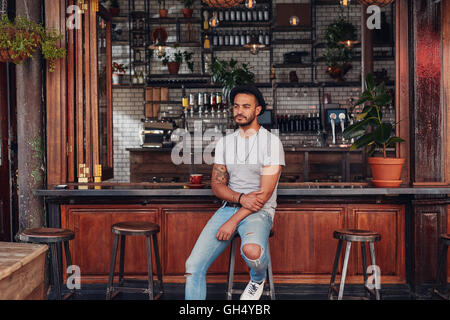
[[29, 128]]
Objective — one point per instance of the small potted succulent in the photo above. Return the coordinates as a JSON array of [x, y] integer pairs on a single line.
[[114, 8], [163, 12], [375, 135], [118, 70], [21, 38], [173, 62], [187, 10]]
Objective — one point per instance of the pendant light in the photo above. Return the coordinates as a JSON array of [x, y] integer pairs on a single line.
[[348, 34], [214, 21], [250, 4], [254, 45]]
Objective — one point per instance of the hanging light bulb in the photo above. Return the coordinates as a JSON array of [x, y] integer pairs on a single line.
[[293, 20], [348, 43], [159, 46], [250, 4], [214, 21], [345, 3], [254, 45]]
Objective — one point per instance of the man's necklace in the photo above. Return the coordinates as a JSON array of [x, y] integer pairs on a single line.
[[246, 158]]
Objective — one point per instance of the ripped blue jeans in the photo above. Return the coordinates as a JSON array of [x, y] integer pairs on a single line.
[[254, 229]]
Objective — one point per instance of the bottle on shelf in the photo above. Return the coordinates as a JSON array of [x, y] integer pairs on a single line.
[[318, 122], [220, 36], [135, 77], [206, 103], [249, 15], [260, 14], [205, 20], [266, 13], [231, 39], [184, 99], [227, 15], [191, 103], [237, 39], [260, 37], [206, 43], [303, 123], [226, 40], [267, 38], [212, 104]]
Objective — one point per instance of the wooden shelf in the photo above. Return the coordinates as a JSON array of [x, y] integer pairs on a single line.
[[358, 45], [175, 20], [293, 65], [242, 24], [291, 41], [292, 29]]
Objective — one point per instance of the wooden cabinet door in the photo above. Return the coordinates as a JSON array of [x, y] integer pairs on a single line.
[[389, 221], [303, 240], [92, 247]]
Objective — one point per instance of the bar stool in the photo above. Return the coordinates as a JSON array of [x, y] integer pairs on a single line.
[[445, 241], [134, 228], [230, 291], [354, 235], [53, 237]]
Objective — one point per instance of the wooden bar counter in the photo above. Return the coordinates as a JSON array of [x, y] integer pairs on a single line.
[[408, 219]]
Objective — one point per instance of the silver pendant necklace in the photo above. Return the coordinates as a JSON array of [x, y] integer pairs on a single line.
[[246, 158]]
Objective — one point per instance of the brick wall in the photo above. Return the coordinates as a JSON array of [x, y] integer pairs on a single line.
[[128, 102]]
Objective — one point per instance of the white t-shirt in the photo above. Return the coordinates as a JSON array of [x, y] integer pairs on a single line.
[[245, 159]]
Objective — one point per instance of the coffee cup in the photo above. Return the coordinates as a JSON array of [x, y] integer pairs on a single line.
[[196, 178]]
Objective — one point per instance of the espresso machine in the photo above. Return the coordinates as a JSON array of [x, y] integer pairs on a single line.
[[156, 133]]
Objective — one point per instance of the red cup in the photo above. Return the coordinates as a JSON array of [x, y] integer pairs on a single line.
[[196, 178]]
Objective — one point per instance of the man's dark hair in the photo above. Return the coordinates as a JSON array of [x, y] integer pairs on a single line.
[[249, 89]]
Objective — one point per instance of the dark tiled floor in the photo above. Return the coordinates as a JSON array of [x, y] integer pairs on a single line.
[[217, 292]]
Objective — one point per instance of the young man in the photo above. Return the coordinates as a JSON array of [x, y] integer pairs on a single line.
[[245, 175]]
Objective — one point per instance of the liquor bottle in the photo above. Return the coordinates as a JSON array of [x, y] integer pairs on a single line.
[[205, 20], [227, 15], [226, 40], [267, 38], [215, 39], [220, 15], [206, 103], [184, 99], [219, 101], [260, 14], [206, 43], [308, 122], [266, 13], [242, 40], [254, 15], [232, 38], [260, 37], [191, 103], [298, 123], [238, 15], [232, 15], [243, 16], [313, 122], [237, 39], [200, 104], [220, 35], [249, 15], [212, 104], [303, 123], [318, 124], [247, 37]]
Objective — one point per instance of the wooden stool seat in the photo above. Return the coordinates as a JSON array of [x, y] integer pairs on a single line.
[[361, 236], [46, 235], [56, 238], [135, 228], [231, 263], [356, 235]]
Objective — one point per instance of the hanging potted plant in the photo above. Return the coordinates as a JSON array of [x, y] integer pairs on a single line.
[[175, 60], [229, 75], [372, 133], [163, 12], [21, 38], [117, 71], [114, 8], [337, 54], [187, 10]]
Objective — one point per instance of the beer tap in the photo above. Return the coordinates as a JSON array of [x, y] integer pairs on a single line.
[[342, 119], [333, 126]]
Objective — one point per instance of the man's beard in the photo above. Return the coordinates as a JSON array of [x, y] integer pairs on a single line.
[[246, 123]]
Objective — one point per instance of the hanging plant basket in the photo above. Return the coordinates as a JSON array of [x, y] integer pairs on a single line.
[[337, 72], [23, 44]]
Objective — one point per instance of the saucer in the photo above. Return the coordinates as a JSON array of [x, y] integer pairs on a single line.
[[195, 186], [387, 183]]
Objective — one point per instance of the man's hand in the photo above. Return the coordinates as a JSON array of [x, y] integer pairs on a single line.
[[226, 230], [252, 202]]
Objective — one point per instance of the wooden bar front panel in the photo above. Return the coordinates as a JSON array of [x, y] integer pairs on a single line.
[[302, 248]]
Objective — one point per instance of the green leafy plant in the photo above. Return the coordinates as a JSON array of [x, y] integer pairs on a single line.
[[162, 4], [119, 67], [337, 54], [179, 57], [21, 38], [188, 3], [369, 129], [229, 75]]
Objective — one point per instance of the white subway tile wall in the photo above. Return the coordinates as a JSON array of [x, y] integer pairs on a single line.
[[128, 102]]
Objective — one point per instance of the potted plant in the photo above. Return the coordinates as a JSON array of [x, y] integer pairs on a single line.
[[118, 70], [374, 134], [187, 10], [229, 75], [114, 8], [163, 12], [337, 55], [175, 60], [21, 38]]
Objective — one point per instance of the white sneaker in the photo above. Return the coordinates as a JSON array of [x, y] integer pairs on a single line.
[[253, 291]]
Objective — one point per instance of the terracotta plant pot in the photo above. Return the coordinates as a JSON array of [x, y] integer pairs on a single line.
[[163, 13], [173, 67], [114, 11], [187, 12], [386, 171]]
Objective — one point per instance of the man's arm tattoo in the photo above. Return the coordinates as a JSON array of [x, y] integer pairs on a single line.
[[220, 174]]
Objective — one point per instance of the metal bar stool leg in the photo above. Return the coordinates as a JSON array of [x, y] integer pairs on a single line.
[[231, 269], [377, 276], [56, 270], [344, 270], [68, 264], [158, 263], [270, 275], [150, 268], [335, 266], [109, 289], [364, 266], [121, 258]]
